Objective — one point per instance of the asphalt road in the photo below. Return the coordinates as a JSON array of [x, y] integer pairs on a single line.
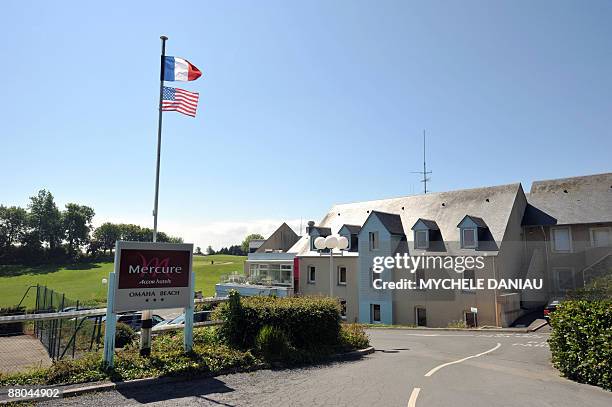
[[425, 368]]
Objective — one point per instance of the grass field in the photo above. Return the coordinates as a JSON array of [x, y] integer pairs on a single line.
[[84, 281]]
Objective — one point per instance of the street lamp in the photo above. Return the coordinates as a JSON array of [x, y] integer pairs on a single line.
[[331, 242]]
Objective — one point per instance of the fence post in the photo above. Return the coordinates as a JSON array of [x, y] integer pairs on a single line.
[[188, 333], [59, 332], [75, 330], [111, 322]]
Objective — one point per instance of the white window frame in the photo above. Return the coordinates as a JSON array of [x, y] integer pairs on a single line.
[[309, 274], [592, 234], [475, 244], [555, 272], [552, 239], [373, 237], [416, 240], [338, 274], [372, 320]]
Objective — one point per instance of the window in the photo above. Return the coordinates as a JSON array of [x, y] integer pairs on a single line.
[[469, 239], [341, 275], [342, 308], [312, 274], [561, 240], [471, 276], [600, 237], [420, 316], [471, 319], [375, 313], [373, 240], [564, 278], [375, 275], [419, 275], [421, 239]]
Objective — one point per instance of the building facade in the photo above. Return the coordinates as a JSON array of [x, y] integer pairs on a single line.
[[560, 233]]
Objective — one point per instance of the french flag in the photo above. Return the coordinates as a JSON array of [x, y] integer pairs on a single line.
[[179, 69]]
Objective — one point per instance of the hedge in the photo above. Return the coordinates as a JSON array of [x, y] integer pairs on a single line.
[[581, 341], [311, 323]]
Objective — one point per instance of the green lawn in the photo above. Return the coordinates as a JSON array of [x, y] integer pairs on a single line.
[[84, 281]]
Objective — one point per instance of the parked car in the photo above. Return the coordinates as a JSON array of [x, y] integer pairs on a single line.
[[550, 308], [199, 316], [133, 319]]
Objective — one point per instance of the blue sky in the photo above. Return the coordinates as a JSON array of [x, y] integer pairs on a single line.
[[302, 104]]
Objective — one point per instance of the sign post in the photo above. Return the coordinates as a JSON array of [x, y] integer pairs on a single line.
[[149, 276]]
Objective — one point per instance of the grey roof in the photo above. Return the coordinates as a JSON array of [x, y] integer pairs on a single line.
[[478, 221], [353, 229], [430, 224], [565, 201], [492, 204], [323, 231], [392, 222]]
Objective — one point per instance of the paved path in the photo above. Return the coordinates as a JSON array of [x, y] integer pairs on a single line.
[[20, 352], [424, 368]]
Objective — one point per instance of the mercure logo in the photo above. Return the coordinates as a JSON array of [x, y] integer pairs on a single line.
[[154, 265]]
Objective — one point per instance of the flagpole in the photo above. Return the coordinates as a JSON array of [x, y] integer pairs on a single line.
[[159, 134], [146, 322]]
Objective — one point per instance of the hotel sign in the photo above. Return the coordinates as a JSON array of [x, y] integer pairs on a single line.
[[152, 276]]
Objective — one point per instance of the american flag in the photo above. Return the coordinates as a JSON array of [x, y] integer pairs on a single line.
[[180, 100]]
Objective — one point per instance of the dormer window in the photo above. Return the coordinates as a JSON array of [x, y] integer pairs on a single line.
[[470, 228], [421, 239], [425, 232], [469, 238]]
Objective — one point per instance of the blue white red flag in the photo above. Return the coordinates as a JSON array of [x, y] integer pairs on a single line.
[[179, 69]]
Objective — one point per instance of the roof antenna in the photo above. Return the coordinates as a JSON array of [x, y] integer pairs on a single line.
[[424, 172]]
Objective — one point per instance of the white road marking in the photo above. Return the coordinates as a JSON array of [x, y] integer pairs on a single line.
[[435, 369], [413, 397]]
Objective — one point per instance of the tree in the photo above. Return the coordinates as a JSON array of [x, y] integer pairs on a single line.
[[106, 235], [13, 225], [45, 219], [77, 225], [198, 251], [210, 250], [247, 240]]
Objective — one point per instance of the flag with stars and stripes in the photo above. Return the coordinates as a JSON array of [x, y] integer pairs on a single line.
[[180, 100]]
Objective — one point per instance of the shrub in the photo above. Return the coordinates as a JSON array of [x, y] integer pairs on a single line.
[[167, 359], [272, 343], [124, 335], [581, 341], [457, 324], [310, 323], [353, 337]]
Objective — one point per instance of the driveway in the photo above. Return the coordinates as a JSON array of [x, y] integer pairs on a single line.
[[410, 368]]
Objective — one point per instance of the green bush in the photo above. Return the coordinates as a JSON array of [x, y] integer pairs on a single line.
[[310, 323], [581, 341], [456, 324], [124, 335], [353, 337], [167, 359], [272, 343]]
